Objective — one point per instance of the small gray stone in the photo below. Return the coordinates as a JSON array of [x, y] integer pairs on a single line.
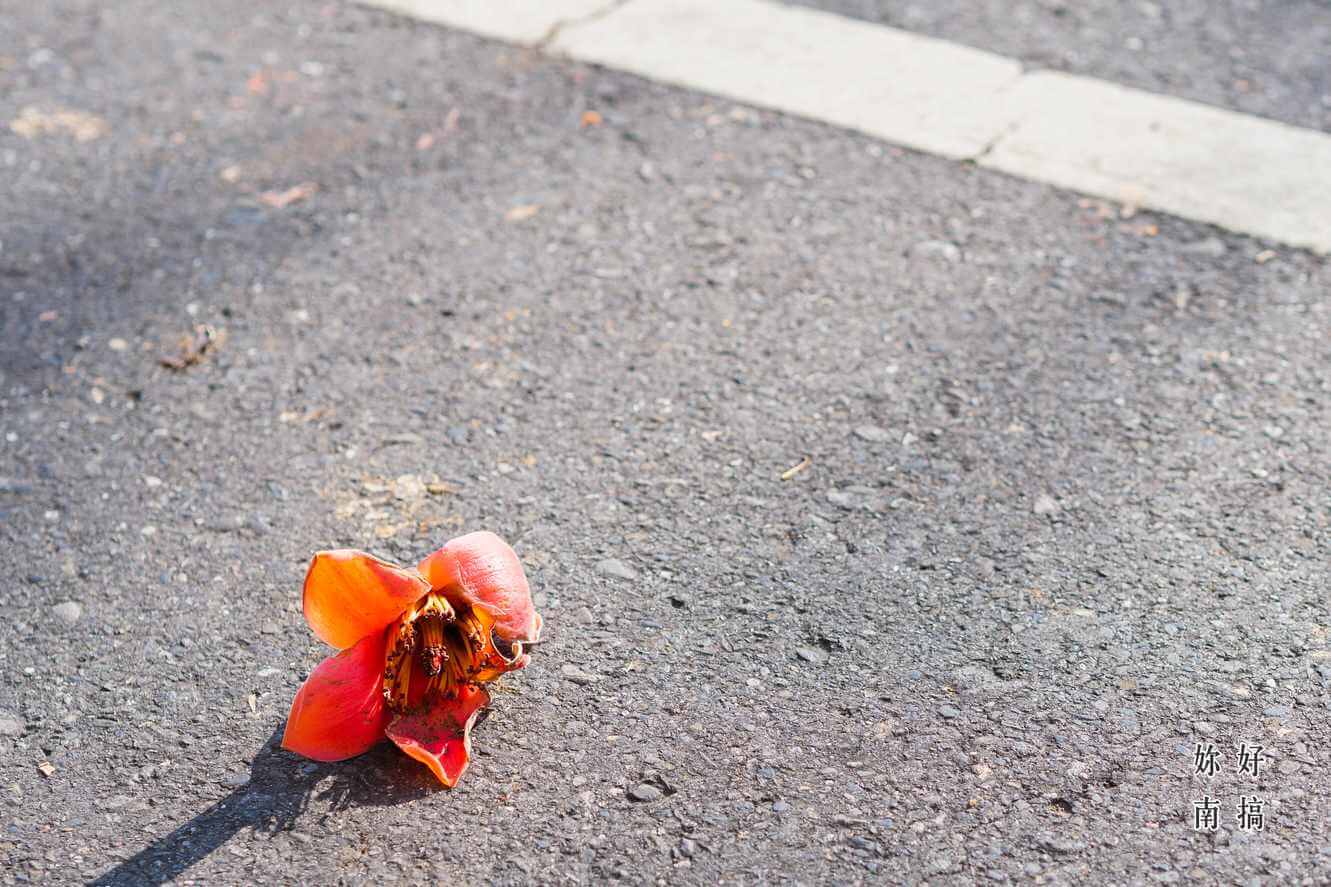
[[780, 807], [852, 498], [814, 655], [688, 847], [941, 864], [872, 433], [115, 803], [616, 568], [974, 677], [235, 780], [1213, 247], [456, 434], [11, 726], [949, 712], [843, 499], [67, 612], [937, 249], [578, 676], [1045, 504], [1060, 845], [645, 791]]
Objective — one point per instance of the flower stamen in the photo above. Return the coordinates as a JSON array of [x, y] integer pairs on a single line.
[[432, 655], [397, 664], [448, 647]]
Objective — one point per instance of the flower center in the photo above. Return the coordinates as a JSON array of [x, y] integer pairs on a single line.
[[434, 650]]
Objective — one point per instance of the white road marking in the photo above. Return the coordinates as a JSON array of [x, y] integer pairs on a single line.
[[919, 92], [1237, 171], [1241, 172], [516, 21]]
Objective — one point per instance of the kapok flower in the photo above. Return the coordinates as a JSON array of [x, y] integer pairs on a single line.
[[417, 647]]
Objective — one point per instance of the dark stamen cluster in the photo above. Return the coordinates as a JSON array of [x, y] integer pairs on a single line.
[[433, 658]]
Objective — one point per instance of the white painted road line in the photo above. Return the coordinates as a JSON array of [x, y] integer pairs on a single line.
[[515, 21], [1241, 172], [916, 91], [1237, 171]]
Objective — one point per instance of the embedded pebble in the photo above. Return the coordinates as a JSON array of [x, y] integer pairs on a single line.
[[645, 792], [616, 568], [1045, 504], [843, 499], [812, 654], [67, 612], [872, 433], [937, 249], [578, 676], [1213, 247]]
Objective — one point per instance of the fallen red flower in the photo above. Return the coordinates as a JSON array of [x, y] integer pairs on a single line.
[[417, 646]]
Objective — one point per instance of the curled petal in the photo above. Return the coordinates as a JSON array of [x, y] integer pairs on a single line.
[[439, 735], [482, 570], [339, 711], [349, 594]]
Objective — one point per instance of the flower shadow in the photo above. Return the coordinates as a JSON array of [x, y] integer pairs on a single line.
[[276, 797]]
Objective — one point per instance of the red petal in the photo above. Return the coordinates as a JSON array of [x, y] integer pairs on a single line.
[[482, 570], [339, 711], [439, 736], [349, 594]]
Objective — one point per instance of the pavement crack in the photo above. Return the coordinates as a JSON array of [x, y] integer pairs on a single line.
[[559, 26], [1008, 128]]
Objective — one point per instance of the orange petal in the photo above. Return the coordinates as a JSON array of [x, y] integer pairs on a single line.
[[339, 710], [481, 569], [349, 594], [439, 736]]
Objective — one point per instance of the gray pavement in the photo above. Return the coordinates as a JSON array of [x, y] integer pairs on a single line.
[[1264, 57], [1064, 516]]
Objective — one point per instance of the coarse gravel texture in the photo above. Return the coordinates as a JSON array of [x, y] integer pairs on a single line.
[[1266, 57], [1063, 514]]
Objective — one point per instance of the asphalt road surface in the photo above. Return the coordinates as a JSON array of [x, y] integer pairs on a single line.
[[1062, 516]]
